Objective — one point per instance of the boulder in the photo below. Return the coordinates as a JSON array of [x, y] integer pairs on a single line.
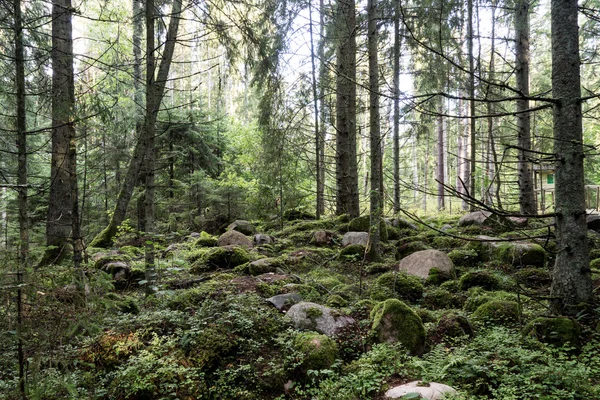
[[422, 262], [242, 226], [429, 390], [515, 253], [363, 224], [401, 223], [486, 218], [102, 258], [557, 331], [450, 326], [406, 249], [264, 265], [319, 350], [394, 321], [355, 238], [502, 312], [284, 301], [234, 238], [322, 238], [220, 257], [396, 285], [315, 317], [261, 238]]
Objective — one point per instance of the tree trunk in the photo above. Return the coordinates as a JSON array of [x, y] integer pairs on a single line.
[[347, 199], [526, 195], [571, 278], [320, 206], [471, 89], [440, 157], [60, 205], [396, 89], [374, 134], [105, 238], [322, 89]]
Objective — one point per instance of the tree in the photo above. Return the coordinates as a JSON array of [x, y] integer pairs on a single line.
[[374, 133], [347, 199], [571, 279], [526, 195], [396, 95], [60, 218]]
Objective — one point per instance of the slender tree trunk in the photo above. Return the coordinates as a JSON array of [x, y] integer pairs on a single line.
[[396, 89], [105, 238], [60, 211], [374, 133], [440, 157], [526, 194], [320, 206], [322, 89], [571, 278], [347, 198], [471, 90]]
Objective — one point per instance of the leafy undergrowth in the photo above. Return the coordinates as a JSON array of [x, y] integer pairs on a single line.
[[208, 332]]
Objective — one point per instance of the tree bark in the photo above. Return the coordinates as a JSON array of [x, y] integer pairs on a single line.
[[60, 205], [347, 198], [105, 238], [571, 278], [471, 89], [320, 201], [374, 134], [527, 202], [441, 157], [396, 89]]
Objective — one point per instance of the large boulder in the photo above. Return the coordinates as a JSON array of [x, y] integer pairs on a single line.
[[242, 226], [283, 301], [397, 285], [315, 317], [355, 238], [422, 262], [234, 238], [263, 266], [406, 249], [487, 219], [515, 253], [261, 239], [319, 350], [425, 390], [394, 321], [557, 331], [323, 238]]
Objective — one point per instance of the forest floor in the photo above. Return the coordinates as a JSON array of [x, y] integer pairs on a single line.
[[242, 316]]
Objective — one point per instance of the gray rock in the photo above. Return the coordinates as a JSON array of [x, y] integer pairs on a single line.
[[355, 238], [486, 218], [315, 317], [431, 390], [401, 223], [323, 238], [242, 226], [234, 238], [283, 301], [263, 266], [514, 253], [420, 263], [261, 238]]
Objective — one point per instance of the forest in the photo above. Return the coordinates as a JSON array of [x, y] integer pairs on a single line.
[[299, 199]]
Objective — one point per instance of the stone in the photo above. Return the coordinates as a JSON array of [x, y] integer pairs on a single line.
[[319, 350], [430, 390], [422, 262], [556, 331], [355, 238], [406, 249], [518, 254], [284, 301], [401, 223], [234, 238], [261, 238], [242, 226], [396, 285], [502, 312], [262, 266], [394, 321], [449, 327], [315, 317], [486, 218], [323, 238]]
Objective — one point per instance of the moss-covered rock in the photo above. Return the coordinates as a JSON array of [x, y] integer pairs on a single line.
[[447, 242], [534, 277], [520, 254], [406, 249], [394, 321], [234, 238], [353, 252], [449, 327], [558, 331], [464, 257], [242, 226], [264, 265], [336, 301], [438, 298], [452, 286], [437, 277], [220, 257], [362, 224], [319, 351], [205, 240], [397, 285], [498, 311], [482, 279], [478, 297], [102, 258]]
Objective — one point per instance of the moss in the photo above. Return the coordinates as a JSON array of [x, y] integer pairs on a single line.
[[364, 306], [478, 297], [308, 292], [437, 277], [451, 286], [464, 257], [313, 312], [208, 346], [128, 306], [406, 249], [595, 263], [206, 240], [447, 242], [397, 285], [534, 277], [560, 331], [103, 259], [483, 279], [353, 252], [318, 350], [220, 257], [394, 321], [132, 251], [363, 224], [336, 301], [438, 298], [498, 311], [449, 327], [393, 233]]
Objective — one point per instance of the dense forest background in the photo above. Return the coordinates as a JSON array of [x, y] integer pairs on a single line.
[[142, 121]]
